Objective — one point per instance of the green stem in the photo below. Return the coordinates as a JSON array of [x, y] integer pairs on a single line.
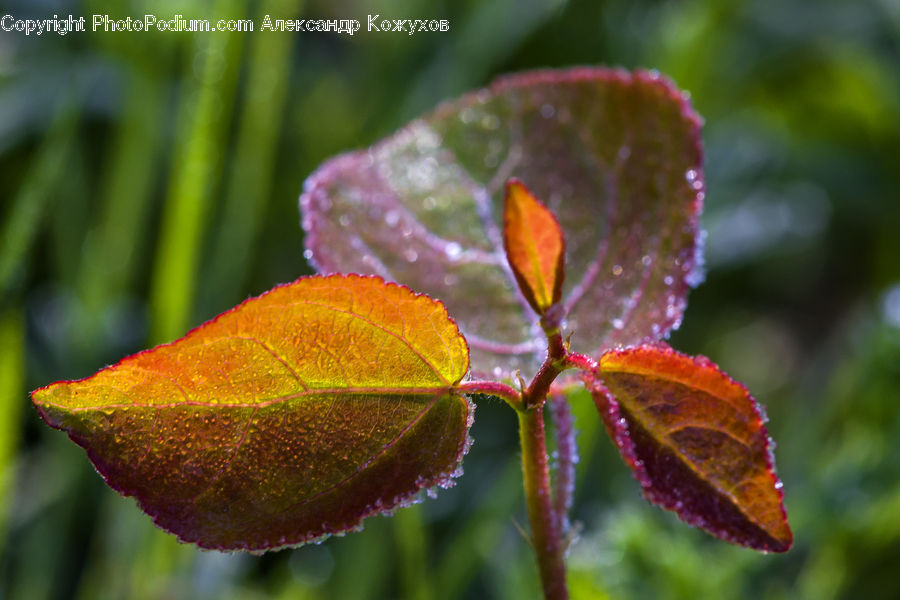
[[545, 532]]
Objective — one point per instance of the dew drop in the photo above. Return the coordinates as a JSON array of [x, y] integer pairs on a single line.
[[691, 175], [668, 280], [618, 323], [624, 152], [498, 371], [427, 139], [411, 255], [646, 260], [671, 311], [452, 250], [344, 220], [392, 218], [547, 111], [617, 270], [703, 361], [308, 254], [466, 115], [429, 203]]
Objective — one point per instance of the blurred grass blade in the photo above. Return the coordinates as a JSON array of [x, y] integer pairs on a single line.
[[131, 165], [252, 164], [479, 534], [12, 398], [412, 553], [362, 577], [203, 118], [31, 200]]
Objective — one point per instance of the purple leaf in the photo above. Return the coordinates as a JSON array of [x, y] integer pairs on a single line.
[[616, 156]]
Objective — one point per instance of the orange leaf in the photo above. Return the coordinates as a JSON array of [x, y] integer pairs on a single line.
[[288, 418], [534, 245], [696, 441]]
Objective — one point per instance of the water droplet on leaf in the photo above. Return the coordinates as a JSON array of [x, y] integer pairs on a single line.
[[452, 250]]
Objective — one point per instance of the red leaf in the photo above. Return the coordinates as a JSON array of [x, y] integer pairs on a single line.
[[292, 416], [534, 246], [696, 441], [615, 155]]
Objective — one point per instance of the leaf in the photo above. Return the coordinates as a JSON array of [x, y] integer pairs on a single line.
[[535, 247], [614, 155], [292, 416], [696, 441]]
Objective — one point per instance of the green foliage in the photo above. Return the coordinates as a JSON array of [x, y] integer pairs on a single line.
[[802, 136]]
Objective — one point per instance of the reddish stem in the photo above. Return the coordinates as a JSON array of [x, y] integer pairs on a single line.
[[554, 364], [493, 388], [545, 527], [547, 512], [548, 546], [584, 362]]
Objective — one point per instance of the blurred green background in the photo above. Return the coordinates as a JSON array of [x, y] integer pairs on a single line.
[[150, 181]]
